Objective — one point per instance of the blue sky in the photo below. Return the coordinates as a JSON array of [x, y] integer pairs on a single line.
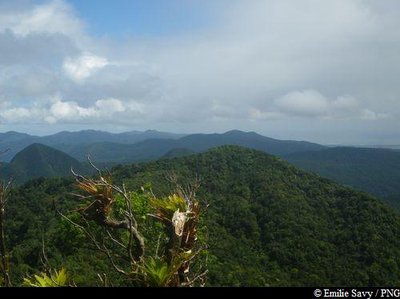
[[327, 74], [124, 18]]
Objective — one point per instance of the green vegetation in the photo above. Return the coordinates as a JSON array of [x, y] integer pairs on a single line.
[[157, 238], [38, 160], [145, 146], [267, 224], [178, 152], [376, 171], [56, 279]]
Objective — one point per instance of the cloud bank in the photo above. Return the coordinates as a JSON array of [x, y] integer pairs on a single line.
[[263, 65]]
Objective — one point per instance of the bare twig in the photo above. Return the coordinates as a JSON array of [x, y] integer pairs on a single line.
[[43, 258], [102, 248], [191, 282], [103, 279], [94, 166], [115, 240], [179, 252], [158, 244]]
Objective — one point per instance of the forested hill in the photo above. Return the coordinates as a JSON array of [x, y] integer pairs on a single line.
[[272, 223], [376, 171], [38, 160], [269, 223]]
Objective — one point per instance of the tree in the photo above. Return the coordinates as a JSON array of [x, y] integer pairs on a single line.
[[151, 241], [4, 196]]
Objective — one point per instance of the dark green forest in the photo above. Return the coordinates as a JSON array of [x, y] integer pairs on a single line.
[[375, 171], [267, 224], [38, 160]]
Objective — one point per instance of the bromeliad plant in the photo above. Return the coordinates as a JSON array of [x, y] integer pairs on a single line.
[[151, 241], [180, 218], [54, 279]]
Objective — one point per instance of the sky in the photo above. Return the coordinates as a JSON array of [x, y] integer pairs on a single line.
[[322, 71]]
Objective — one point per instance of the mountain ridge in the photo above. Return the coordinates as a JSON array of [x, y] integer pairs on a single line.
[[268, 223], [38, 160], [14, 142], [376, 171], [280, 223], [152, 148]]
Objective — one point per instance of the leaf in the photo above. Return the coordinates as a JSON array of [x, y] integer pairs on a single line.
[[58, 279], [61, 277]]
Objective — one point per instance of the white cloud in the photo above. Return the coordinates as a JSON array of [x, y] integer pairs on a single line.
[[253, 64], [110, 105], [59, 111], [17, 115], [82, 67], [371, 115], [303, 103], [4, 105], [257, 115], [312, 104], [67, 111], [53, 17], [70, 111], [345, 103]]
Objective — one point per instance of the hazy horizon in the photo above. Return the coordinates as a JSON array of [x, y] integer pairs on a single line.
[[320, 71], [371, 145]]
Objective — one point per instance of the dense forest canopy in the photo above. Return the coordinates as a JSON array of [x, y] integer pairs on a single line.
[[267, 224]]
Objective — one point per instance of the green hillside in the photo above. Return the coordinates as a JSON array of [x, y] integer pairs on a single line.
[[376, 171], [269, 224], [178, 152], [38, 160], [202, 142]]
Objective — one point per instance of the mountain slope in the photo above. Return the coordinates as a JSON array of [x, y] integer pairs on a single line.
[[15, 142], [152, 149], [376, 171], [38, 160], [93, 136], [202, 142], [13, 136], [273, 224], [178, 152], [268, 223]]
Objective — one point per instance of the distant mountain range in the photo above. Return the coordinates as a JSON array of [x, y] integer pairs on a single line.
[[152, 149], [72, 149], [376, 171], [142, 146], [14, 142]]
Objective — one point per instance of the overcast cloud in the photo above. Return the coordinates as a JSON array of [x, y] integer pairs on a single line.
[[325, 71]]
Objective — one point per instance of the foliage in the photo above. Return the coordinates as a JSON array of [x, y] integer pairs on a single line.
[[56, 279], [375, 171], [115, 211], [38, 160], [267, 224], [4, 263]]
